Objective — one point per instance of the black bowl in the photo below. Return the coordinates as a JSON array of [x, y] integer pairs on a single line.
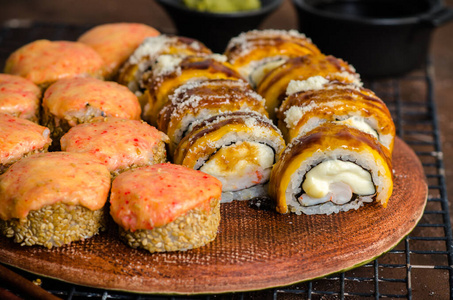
[[216, 29], [379, 37]]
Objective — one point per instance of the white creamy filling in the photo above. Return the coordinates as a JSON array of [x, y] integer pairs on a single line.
[[240, 165], [335, 181], [260, 71], [360, 124]]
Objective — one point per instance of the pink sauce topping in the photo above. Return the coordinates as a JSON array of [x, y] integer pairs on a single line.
[[116, 42], [117, 143], [19, 96], [154, 196], [44, 61], [48, 178], [76, 97], [19, 136]]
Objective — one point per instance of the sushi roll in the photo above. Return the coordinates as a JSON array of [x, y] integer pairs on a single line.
[[115, 42], [73, 101], [315, 101], [19, 97], [44, 62], [166, 207], [119, 144], [52, 199], [171, 71], [274, 85], [131, 73], [20, 138], [238, 148], [256, 52], [200, 100], [332, 168]]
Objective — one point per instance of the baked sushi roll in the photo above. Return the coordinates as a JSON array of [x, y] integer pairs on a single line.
[[20, 138], [274, 84], [256, 52], [19, 97], [332, 168], [44, 62], [315, 101], [52, 199], [119, 144], [131, 73], [200, 100], [73, 101], [238, 148], [171, 71], [166, 207], [115, 42]]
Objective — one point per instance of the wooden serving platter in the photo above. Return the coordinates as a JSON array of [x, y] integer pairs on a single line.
[[255, 248]]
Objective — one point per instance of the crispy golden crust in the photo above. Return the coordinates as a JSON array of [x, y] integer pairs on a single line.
[[330, 104], [274, 84], [324, 139], [198, 101], [201, 141], [159, 86]]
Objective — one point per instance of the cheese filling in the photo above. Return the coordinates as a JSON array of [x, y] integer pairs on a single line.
[[335, 181], [259, 72], [240, 165], [360, 124]]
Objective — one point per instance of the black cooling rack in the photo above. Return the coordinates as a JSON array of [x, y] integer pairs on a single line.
[[419, 267]]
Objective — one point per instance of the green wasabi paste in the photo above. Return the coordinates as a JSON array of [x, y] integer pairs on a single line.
[[222, 6]]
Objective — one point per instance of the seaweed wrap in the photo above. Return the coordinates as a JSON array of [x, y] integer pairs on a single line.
[[171, 71], [166, 207], [332, 168], [238, 148], [274, 84], [200, 100], [256, 52], [315, 101]]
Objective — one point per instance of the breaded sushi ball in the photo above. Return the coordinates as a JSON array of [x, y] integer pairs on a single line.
[[44, 61], [20, 138], [52, 199], [19, 97], [120, 144], [73, 101], [115, 42], [166, 207]]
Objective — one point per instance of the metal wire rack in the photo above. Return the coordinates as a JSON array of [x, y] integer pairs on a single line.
[[419, 267]]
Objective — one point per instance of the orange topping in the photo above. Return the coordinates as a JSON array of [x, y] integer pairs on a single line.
[[67, 98], [19, 97], [117, 143], [116, 42], [19, 137], [54, 177], [154, 196], [44, 61]]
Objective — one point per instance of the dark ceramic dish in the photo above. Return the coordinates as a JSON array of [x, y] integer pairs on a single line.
[[215, 29], [379, 37]]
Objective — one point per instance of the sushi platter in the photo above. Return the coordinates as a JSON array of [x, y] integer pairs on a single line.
[[256, 248]]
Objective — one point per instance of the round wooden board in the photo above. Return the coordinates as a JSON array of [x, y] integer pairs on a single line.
[[255, 249]]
